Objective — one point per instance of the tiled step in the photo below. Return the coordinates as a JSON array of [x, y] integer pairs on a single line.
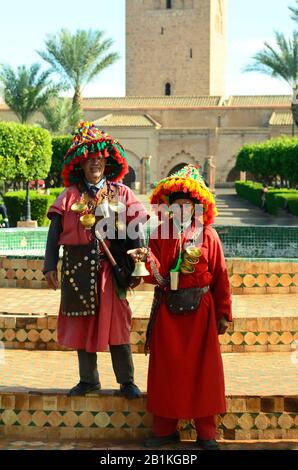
[[247, 276], [107, 445], [261, 391], [261, 323]]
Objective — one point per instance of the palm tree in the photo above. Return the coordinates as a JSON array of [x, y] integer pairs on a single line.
[[26, 90], [280, 61], [294, 11], [79, 57], [61, 115]]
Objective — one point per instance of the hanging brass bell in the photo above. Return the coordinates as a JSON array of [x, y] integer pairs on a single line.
[[140, 270]]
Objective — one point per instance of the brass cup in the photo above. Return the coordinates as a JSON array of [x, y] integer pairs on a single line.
[[193, 251], [190, 260], [78, 207], [187, 269], [87, 220]]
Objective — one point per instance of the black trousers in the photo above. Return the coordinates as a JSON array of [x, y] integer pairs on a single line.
[[121, 360]]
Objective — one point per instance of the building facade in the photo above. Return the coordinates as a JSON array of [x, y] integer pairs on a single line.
[[176, 130]]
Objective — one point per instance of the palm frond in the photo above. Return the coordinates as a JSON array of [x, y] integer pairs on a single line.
[[279, 60], [78, 58], [26, 90]]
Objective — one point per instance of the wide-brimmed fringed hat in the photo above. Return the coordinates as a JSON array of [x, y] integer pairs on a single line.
[[89, 140], [189, 182]]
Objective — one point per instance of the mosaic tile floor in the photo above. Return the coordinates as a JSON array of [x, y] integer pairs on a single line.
[[41, 301], [12, 444], [246, 374]]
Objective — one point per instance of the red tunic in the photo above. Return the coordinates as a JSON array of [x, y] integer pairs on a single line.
[[185, 377], [112, 324]]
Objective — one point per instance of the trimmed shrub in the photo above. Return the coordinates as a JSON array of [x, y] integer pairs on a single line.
[[293, 205], [15, 202], [267, 160], [250, 191], [276, 199], [25, 152]]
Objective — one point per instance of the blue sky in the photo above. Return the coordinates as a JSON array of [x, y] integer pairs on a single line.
[[25, 24]]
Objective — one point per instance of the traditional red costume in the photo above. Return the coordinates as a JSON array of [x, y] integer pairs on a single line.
[[185, 378]]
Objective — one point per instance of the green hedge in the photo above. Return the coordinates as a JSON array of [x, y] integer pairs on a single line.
[[250, 191], [293, 206], [56, 191], [271, 159], [15, 203], [276, 199]]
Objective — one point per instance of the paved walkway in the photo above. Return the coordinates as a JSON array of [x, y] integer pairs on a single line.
[[257, 374], [234, 210], [45, 301]]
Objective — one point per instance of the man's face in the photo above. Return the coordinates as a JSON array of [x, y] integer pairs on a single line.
[[93, 168], [183, 210]]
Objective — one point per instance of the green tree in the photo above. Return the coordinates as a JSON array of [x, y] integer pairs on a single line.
[[26, 90], [25, 154], [61, 116], [78, 58], [279, 60], [60, 144]]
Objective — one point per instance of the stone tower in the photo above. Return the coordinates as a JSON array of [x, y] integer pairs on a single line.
[[175, 47]]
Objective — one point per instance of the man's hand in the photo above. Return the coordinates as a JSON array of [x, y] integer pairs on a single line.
[[52, 279], [222, 325], [138, 254]]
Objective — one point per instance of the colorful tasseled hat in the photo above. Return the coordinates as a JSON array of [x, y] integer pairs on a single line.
[[90, 140], [189, 181]]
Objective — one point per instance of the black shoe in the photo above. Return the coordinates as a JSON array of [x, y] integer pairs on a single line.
[[82, 388], [208, 444], [156, 441], [130, 390]]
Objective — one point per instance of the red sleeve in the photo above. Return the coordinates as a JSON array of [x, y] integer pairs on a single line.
[[59, 205], [220, 285]]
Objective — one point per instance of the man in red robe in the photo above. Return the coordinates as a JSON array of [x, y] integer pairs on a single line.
[[185, 377], [94, 313]]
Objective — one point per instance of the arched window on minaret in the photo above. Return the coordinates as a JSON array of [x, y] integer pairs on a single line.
[[169, 4], [168, 89]]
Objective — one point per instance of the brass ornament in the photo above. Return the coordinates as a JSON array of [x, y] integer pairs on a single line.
[[78, 207], [190, 258], [87, 220], [140, 270]]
